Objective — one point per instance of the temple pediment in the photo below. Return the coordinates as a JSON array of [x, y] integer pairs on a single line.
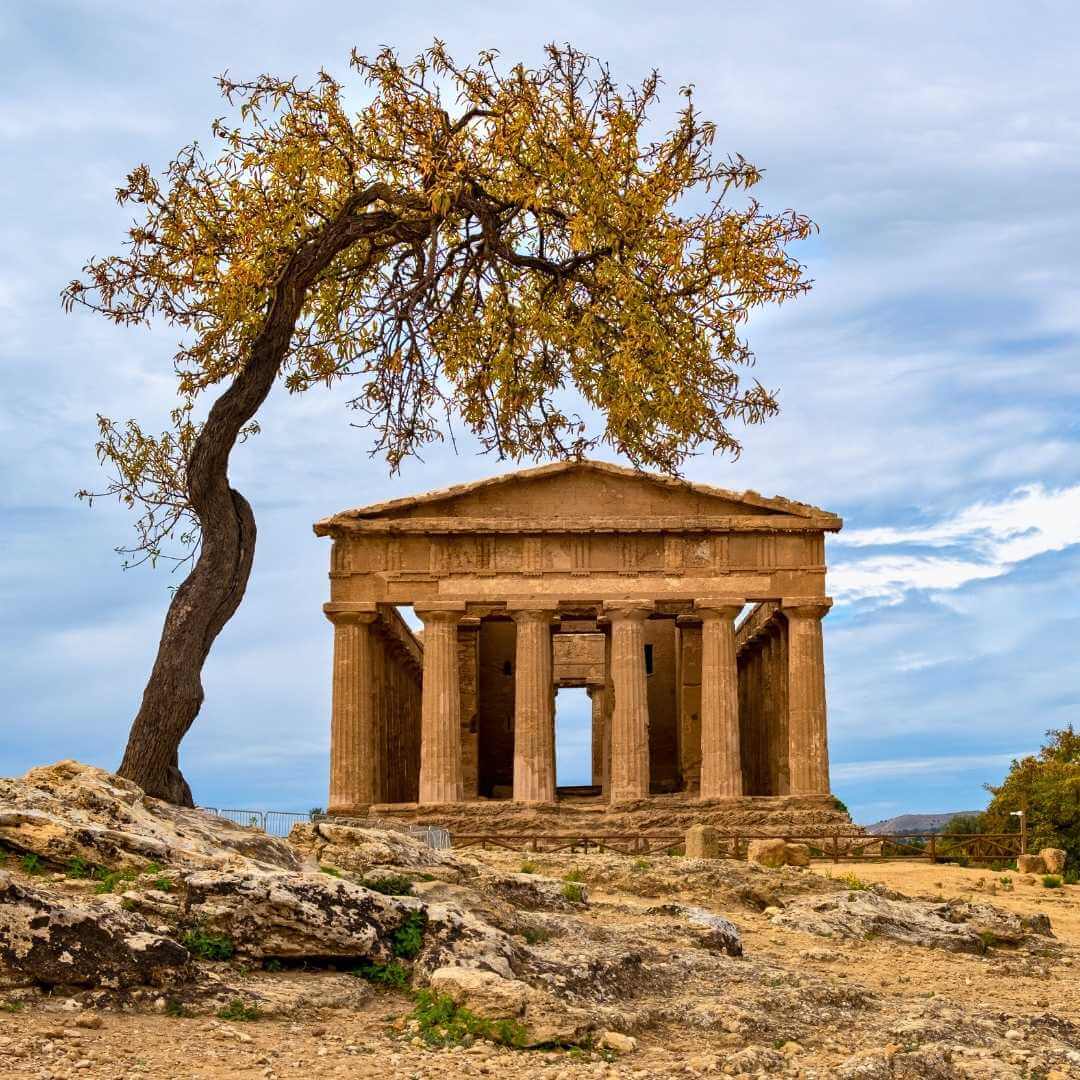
[[580, 496]]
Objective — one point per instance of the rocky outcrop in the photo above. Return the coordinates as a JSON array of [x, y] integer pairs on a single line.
[[72, 811], [534, 892], [864, 913], [50, 941], [1053, 859]]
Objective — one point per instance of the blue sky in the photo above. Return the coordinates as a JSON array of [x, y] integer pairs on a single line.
[[930, 384]]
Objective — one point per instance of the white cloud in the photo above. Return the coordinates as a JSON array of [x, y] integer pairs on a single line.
[[990, 538], [898, 768]]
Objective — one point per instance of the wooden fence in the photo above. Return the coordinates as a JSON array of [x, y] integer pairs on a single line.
[[836, 846]]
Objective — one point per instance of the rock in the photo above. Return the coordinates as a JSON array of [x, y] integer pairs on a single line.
[[534, 892], [88, 1020], [615, 1040], [866, 913], [68, 810], [296, 915], [1030, 864], [866, 1065], [54, 941], [770, 853], [1053, 859], [702, 842], [720, 934], [454, 938], [483, 992], [797, 854]]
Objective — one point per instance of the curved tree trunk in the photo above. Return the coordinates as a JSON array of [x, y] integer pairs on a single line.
[[211, 593]]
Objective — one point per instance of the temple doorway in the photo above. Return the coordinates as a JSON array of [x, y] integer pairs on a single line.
[[573, 738]]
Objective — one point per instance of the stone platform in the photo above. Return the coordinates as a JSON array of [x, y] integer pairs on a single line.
[[793, 816]]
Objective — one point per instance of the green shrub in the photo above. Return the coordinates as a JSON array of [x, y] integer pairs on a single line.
[[408, 938], [389, 884], [529, 867], [642, 864], [838, 804], [441, 1022], [208, 946], [851, 881], [536, 935], [333, 871], [574, 892], [237, 1009], [12, 1006], [574, 875], [163, 884], [1051, 881], [175, 1009], [272, 963], [394, 975], [1071, 877], [78, 867], [32, 864], [115, 880]]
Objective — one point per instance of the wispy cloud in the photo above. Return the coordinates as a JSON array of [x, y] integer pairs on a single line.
[[898, 768], [984, 540]]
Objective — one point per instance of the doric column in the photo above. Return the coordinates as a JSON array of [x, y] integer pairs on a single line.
[[534, 717], [721, 761], [598, 698], [630, 719], [354, 716], [808, 747], [689, 701], [440, 705]]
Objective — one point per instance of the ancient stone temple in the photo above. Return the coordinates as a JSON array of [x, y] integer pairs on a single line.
[[692, 615]]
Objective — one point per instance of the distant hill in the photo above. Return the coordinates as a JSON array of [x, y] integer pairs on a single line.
[[905, 823]]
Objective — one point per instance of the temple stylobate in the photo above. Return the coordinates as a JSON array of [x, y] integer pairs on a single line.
[[691, 614]]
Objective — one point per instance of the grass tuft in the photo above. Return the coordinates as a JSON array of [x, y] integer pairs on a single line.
[[32, 864], [408, 938], [389, 884], [574, 892], [394, 975], [442, 1022], [208, 946], [238, 1009], [1051, 881]]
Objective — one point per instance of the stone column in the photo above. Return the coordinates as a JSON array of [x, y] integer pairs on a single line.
[[354, 717], [689, 699], [598, 698], [630, 719], [534, 718], [721, 761], [440, 706], [808, 748]]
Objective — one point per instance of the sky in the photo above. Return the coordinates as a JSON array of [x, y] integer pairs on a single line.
[[929, 384]]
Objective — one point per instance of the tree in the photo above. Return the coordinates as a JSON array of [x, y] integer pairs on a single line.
[[475, 242], [1046, 787]]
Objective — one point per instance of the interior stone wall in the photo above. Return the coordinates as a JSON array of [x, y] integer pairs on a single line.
[[495, 708], [663, 716], [397, 731]]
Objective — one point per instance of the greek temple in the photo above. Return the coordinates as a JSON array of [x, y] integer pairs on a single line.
[[691, 615]]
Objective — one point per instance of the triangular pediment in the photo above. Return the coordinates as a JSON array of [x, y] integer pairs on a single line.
[[568, 492]]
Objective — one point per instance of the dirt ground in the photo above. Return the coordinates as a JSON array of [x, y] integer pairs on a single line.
[[795, 1005]]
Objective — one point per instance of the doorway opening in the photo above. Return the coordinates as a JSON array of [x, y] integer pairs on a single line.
[[573, 738]]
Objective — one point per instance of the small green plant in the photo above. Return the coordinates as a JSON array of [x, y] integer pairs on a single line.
[[12, 1006], [389, 884], [78, 867], [574, 891], [238, 1009], [394, 975], [642, 864], [175, 1009], [163, 884], [272, 963], [529, 867], [408, 938], [32, 864], [574, 875], [208, 946], [853, 882], [333, 871], [115, 880], [989, 939], [1071, 877], [1051, 881], [1006, 882], [441, 1022]]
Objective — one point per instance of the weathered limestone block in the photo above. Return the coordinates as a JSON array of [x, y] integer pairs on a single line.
[[59, 942], [70, 810], [1030, 864], [771, 853], [797, 854], [483, 992], [534, 892], [1053, 859], [720, 934], [702, 842], [457, 938]]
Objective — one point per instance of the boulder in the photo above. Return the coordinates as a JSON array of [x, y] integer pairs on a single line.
[[52, 941], [702, 842], [454, 937], [72, 811], [1053, 859], [483, 992], [1030, 864], [797, 854], [720, 934], [770, 853], [534, 892]]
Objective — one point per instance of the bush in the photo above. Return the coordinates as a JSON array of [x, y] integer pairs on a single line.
[[529, 867], [1051, 881], [574, 875], [851, 881], [441, 1022], [208, 946], [838, 804], [389, 884], [32, 864], [333, 871], [114, 880], [408, 938], [394, 975], [642, 864], [237, 1009], [574, 892], [78, 867]]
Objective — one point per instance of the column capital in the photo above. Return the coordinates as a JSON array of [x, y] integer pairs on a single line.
[[628, 610], [806, 607], [346, 613], [522, 611], [718, 607], [441, 611]]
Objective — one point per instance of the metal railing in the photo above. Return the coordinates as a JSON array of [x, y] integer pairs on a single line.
[[280, 823]]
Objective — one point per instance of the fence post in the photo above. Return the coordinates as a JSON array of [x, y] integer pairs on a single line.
[[933, 847], [836, 847]]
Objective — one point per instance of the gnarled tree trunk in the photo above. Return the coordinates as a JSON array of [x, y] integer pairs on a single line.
[[211, 593]]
